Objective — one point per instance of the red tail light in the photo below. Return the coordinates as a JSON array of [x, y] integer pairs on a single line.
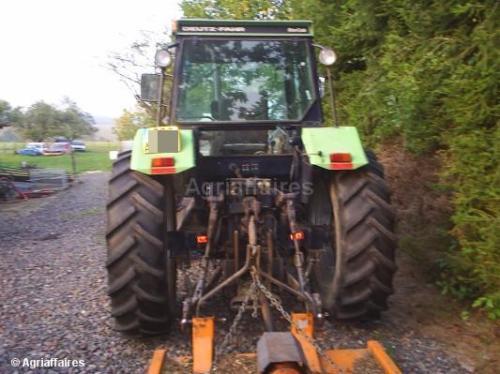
[[340, 161], [162, 162], [340, 157]]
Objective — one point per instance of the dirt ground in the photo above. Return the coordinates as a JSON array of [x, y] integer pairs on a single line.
[[53, 302]]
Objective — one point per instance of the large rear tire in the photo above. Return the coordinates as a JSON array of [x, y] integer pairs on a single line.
[[139, 283], [355, 276]]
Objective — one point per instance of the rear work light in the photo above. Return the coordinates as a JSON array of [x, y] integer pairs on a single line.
[[297, 235], [341, 161], [163, 165], [201, 239]]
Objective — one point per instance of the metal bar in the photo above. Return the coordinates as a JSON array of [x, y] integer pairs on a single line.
[[266, 313], [332, 96], [227, 282], [270, 254], [236, 250], [160, 97], [283, 286], [213, 278]]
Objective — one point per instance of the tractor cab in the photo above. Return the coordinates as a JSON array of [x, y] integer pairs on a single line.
[[253, 72]]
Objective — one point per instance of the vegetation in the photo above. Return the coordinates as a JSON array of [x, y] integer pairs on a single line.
[[130, 121], [41, 120], [95, 158], [427, 73], [8, 115]]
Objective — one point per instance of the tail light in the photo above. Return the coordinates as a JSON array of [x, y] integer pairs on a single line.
[[341, 161], [340, 157], [163, 165], [163, 162]]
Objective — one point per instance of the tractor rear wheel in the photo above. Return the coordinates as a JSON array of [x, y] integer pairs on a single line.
[[354, 275], [140, 275]]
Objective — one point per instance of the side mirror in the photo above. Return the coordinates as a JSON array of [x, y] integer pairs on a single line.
[[150, 84]]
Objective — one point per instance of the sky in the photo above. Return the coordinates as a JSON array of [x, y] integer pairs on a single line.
[[53, 49]]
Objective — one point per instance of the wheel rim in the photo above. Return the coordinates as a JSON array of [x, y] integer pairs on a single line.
[[325, 211]]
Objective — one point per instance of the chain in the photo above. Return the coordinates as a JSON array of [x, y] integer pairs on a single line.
[[279, 307], [229, 336], [255, 301]]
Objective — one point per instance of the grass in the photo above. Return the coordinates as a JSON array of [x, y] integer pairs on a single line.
[[95, 158]]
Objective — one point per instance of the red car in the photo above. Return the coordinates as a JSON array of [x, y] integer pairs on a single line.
[[57, 149]]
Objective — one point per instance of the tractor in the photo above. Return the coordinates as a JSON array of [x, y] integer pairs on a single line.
[[244, 181]]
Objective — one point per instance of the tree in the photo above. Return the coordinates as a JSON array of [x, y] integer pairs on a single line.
[[43, 120], [40, 121], [232, 9], [131, 63], [8, 115], [130, 121], [75, 122]]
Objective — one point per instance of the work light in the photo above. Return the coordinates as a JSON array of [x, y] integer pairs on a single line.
[[327, 56], [162, 58]]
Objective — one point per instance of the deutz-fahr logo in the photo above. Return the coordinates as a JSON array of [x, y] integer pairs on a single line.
[[212, 29], [296, 29]]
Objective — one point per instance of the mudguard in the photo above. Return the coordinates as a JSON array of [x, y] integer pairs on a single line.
[[166, 143], [321, 142]]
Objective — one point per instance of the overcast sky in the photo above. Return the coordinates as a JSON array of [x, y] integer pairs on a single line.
[[55, 48]]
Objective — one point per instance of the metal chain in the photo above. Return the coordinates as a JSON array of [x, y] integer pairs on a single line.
[[229, 336], [279, 307], [255, 302]]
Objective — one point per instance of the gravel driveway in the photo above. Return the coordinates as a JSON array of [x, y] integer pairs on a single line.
[[53, 299]]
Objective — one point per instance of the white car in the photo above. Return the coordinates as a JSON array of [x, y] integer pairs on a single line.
[[37, 145], [78, 146]]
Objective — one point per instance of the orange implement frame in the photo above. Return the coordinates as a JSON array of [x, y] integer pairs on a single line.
[[203, 344], [305, 322], [157, 361], [345, 360]]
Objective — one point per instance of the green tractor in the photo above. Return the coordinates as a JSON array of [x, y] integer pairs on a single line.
[[246, 184]]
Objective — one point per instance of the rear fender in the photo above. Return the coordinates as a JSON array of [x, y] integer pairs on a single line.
[[163, 142], [321, 142]]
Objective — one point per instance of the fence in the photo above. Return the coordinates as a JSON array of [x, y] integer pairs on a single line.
[[37, 179]]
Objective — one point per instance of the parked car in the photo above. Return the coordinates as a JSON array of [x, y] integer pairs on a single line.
[[78, 146], [57, 149], [29, 152], [32, 149]]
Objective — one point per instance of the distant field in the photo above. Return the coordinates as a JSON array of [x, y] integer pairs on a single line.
[[95, 158]]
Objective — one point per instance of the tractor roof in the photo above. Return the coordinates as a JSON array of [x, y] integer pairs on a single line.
[[211, 27]]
